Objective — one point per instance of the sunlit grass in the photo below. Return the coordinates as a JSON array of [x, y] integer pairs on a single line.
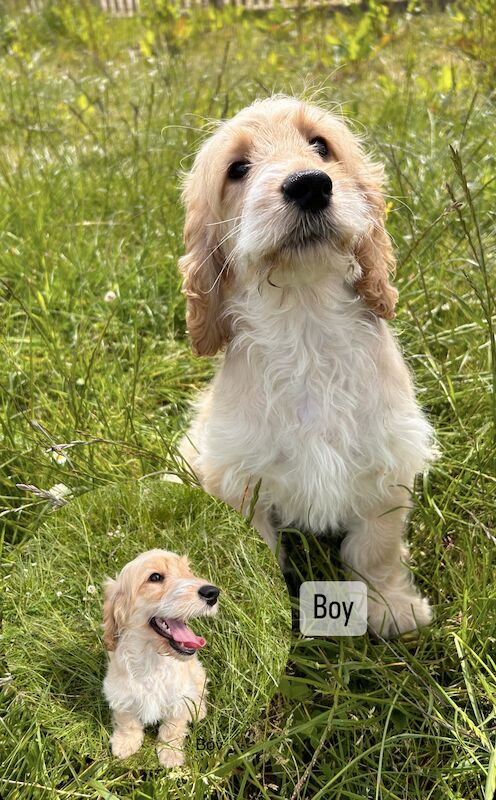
[[53, 614], [92, 151]]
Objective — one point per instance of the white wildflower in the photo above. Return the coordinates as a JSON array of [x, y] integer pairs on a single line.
[[58, 457], [110, 296]]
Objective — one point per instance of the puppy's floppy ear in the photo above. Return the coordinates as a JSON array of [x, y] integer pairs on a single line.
[[374, 251], [202, 270], [114, 613]]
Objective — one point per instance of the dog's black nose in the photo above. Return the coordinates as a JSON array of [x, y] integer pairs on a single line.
[[311, 189], [209, 593]]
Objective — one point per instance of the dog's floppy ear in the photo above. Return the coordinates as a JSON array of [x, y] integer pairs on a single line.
[[374, 251], [114, 613], [202, 270]]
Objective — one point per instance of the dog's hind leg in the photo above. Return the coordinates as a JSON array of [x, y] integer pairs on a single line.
[[375, 551], [170, 747], [127, 736]]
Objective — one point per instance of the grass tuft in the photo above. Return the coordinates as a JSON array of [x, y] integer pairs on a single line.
[[95, 130]]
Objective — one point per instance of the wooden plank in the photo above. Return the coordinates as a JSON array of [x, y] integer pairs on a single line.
[[129, 8]]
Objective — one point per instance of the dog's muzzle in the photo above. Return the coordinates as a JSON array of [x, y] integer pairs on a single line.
[[310, 189], [209, 593], [180, 637]]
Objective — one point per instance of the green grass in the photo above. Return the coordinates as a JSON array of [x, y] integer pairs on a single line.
[[94, 136], [52, 633]]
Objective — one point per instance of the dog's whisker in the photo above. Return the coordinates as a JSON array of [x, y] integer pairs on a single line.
[[221, 272], [214, 250], [224, 270], [222, 221]]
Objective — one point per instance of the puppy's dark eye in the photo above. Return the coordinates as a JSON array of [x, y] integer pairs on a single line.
[[156, 577], [238, 170], [320, 145]]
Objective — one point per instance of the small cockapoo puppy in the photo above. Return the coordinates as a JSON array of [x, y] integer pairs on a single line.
[[154, 674], [287, 267]]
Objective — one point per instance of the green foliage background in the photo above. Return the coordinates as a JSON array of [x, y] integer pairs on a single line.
[[98, 117], [53, 613]]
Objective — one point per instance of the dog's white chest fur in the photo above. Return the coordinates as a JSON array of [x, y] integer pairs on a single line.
[[150, 686], [315, 399]]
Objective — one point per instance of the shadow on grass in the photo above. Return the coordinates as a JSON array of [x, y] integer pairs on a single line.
[[309, 558]]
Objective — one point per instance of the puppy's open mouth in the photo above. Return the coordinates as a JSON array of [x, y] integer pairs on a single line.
[[179, 636]]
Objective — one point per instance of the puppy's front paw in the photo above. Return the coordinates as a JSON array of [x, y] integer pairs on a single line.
[[125, 744], [170, 756], [395, 613]]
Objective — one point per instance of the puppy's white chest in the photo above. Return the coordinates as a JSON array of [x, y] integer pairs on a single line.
[[319, 422], [154, 693], [308, 411], [315, 400], [316, 414]]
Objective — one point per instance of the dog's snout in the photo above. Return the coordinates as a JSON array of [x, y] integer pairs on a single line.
[[209, 593], [310, 189]]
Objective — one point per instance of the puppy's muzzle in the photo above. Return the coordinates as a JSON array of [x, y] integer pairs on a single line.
[[209, 593], [310, 189]]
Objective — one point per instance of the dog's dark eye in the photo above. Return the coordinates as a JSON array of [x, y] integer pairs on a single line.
[[156, 577], [238, 170], [320, 145]]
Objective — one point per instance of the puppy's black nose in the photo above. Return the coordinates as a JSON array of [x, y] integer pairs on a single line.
[[310, 189], [209, 593]]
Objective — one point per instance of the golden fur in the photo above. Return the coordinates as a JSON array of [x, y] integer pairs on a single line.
[[148, 680], [208, 261]]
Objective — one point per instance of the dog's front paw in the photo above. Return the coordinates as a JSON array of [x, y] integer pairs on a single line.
[[170, 756], [125, 744], [396, 613]]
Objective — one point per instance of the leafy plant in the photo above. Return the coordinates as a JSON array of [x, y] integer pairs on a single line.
[[475, 33]]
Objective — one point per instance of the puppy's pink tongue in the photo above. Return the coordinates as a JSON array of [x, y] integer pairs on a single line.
[[183, 635]]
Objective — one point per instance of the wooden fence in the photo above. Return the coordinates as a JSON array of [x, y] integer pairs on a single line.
[[120, 8], [261, 4], [128, 8]]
